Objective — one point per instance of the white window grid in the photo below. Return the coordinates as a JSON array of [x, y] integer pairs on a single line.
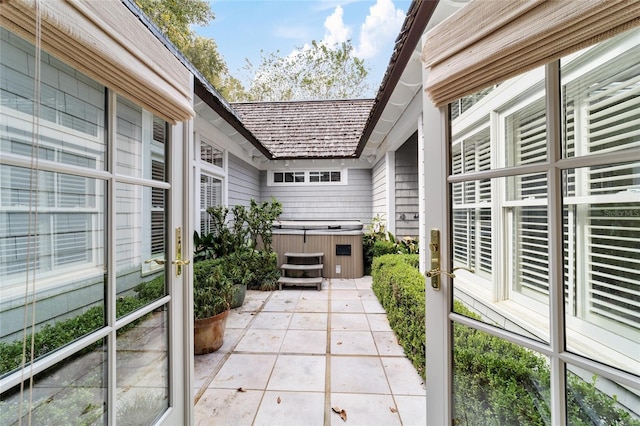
[[521, 199], [307, 177]]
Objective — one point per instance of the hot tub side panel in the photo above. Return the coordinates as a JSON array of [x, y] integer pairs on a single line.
[[335, 266]]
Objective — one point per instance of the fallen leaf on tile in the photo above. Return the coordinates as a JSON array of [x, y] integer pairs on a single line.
[[342, 412], [278, 400], [393, 410], [241, 390]]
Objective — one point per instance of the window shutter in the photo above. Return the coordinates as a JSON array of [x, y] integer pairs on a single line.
[[157, 209], [487, 42], [603, 108], [104, 40], [471, 219], [210, 196]]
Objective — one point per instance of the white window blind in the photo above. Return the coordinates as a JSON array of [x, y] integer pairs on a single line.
[[602, 115], [471, 203], [210, 196], [487, 42], [526, 138], [158, 229]]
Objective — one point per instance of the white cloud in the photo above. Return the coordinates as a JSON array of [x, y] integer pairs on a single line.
[[381, 26], [336, 30]]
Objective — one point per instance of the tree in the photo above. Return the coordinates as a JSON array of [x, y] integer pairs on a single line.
[[174, 18], [315, 72]]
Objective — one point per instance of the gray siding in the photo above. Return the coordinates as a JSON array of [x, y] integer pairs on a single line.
[[407, 188], [325, 202], [379, 188], [243, 181]]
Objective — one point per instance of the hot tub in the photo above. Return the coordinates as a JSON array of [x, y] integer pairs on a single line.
[[340, 241]]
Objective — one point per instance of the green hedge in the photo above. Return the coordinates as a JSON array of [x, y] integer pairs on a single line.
[[54, 336], [495, 382], [400, 288]]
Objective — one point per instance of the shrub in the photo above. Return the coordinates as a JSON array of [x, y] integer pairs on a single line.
[[54, 336], [495, 382], [151, 290], [382, 247], [400, 288], [377, 241]]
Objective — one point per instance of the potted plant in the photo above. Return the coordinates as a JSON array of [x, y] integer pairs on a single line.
[[239, 271], [212, 294]]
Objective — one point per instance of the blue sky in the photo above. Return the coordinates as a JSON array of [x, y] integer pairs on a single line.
[[242, 28]]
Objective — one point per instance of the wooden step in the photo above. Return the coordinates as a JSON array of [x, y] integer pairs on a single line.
[[305, 282], [303, 255], [292, 267]]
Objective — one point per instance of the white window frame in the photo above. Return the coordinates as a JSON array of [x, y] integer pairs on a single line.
[[306, 174], [58, 276], [202, 167], [500, 287]]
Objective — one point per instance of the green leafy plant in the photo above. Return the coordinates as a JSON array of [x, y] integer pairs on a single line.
[[260, 219], [56, 335], [378, 241], [243, 237], [212, 289], [495, 381], [204, 246]]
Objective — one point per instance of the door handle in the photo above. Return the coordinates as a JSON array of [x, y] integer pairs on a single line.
[[157, 261], [434, 248], [435, 271], [179, 262]]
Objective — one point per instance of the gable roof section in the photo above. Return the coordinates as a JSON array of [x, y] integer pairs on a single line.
[[307, 129]]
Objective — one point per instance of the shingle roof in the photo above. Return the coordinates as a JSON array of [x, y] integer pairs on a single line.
[[307, 129]]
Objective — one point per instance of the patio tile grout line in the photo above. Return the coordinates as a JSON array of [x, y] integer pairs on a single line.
[[226, 356], [327, 364]]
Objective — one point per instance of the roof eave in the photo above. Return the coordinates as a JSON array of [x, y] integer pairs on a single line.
[[205, 91], [418, 17], [202, 87]]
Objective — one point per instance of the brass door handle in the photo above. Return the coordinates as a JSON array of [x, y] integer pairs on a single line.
[[156, 260], [434, 272], [181, 262]]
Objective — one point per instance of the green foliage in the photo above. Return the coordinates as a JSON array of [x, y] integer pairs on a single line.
[[495, 382], [266, 271], [149, 291], [54, 336], [242, 237], [400, 288], [175, 19], [204, 246], [382, 247], [212, 289], [260, 219], [377, 241], [314, 72]]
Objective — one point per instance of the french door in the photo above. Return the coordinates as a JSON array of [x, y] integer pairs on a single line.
[[534, 189], [93, 254]]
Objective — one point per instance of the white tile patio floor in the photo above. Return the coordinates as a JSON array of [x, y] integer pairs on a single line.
[[297, 353]]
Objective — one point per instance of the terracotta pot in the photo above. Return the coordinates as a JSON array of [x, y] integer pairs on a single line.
[[208, 333]]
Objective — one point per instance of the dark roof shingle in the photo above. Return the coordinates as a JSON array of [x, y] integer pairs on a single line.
[[307, 129]]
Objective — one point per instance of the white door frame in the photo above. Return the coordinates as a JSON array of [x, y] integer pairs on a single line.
[[434, 156]]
